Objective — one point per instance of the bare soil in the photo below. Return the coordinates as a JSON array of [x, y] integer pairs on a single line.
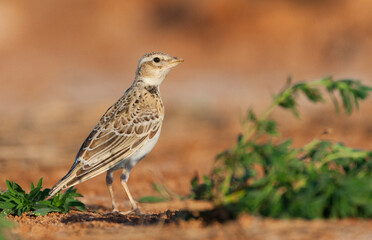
[[174, 164], [99, 224], [62, 65]]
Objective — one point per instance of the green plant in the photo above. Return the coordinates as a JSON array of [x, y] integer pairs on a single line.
[[165, 195], [264, 175], [4, 224], [16, 201]]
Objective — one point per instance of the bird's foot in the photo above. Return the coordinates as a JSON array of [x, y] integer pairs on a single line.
[[134, 211], [113, 211]]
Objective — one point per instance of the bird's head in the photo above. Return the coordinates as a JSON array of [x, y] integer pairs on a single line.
[[154, 67]]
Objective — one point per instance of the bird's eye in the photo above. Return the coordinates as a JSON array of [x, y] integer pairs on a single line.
[[156, 59]]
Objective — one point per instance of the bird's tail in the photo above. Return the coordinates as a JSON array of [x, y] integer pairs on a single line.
[[66, 182], [73, 177]]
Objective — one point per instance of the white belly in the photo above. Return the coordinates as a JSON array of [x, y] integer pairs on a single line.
[[146, 149], [132, 160]]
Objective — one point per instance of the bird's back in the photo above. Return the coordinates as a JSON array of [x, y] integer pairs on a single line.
[[128, 126]]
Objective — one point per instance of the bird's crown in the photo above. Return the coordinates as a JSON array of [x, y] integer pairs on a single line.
[[153, 67]]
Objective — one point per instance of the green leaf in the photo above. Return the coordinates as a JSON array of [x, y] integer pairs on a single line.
[[161, 190], [6, 205], [10, 187], [45, 211], [152, 199], [40, 182], [251, 116], [78, 205]]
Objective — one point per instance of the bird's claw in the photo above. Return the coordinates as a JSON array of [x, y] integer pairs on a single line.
[[134, 211]]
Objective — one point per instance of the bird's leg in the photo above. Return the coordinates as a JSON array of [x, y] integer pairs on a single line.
[[123, 179], [109, 181]]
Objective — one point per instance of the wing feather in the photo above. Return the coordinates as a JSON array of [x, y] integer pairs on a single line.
[[125, 128]]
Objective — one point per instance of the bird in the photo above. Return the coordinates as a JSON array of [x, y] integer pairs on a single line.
[[127, 131]]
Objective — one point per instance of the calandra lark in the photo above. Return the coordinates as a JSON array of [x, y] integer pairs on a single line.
[[128, 130]]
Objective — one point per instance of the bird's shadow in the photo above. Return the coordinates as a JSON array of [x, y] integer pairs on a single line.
[[90, 216]]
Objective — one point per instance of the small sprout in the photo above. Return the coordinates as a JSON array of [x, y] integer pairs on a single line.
[[16, 201], [165, 195]]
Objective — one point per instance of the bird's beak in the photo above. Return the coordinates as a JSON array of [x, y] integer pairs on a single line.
[[174, 62], [176, 59]]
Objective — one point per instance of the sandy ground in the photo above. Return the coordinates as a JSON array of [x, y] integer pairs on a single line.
[[62, 65], [164, 224], [172, 163]]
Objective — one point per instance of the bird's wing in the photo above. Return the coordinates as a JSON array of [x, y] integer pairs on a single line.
[[125, 127]]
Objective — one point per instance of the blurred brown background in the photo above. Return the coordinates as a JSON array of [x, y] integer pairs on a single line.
[[62, 64]]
